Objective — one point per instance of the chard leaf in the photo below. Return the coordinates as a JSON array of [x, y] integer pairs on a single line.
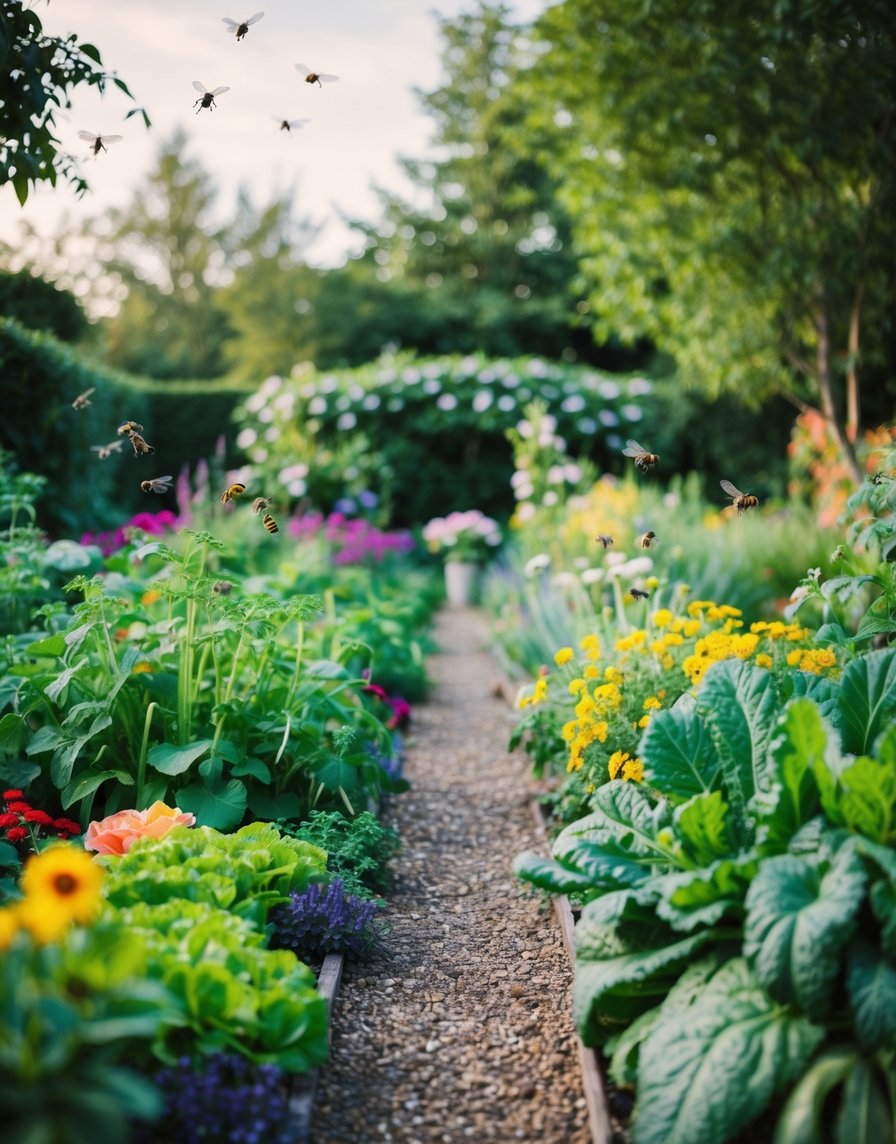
[[863, 798], [871, 984], [798, 922], [624, 822], [701, 824], [867, 697], [803, 1118], [221, 806], [679, 756], [702, 1079], [611, 992], [550, 875], [702, 897], [740, 704], [865, 1116], [174, 760], [802, 740]]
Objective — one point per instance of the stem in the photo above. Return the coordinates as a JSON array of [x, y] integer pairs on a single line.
[[300, 644], [141, 759]]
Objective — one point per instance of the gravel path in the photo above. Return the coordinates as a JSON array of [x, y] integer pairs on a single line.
[[461, 1029]]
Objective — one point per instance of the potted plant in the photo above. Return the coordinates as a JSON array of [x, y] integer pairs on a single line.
[[464, 540]]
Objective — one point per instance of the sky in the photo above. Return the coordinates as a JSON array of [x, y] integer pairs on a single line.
[[380, 50]]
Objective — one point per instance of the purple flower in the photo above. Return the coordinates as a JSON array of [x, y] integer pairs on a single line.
[[325, 919]]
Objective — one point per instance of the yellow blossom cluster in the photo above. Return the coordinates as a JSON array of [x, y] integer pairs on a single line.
[[61, 885], [623, 766]]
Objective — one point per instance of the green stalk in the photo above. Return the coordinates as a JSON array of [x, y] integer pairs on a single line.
[[300, 645], [141, 759]]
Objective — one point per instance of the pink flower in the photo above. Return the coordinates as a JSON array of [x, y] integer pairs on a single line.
[[116, 833]]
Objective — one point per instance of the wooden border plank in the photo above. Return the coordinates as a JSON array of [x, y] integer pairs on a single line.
[[304, 1087]]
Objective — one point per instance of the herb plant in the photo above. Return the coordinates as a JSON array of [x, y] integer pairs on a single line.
[[323, 920], [358, 849]]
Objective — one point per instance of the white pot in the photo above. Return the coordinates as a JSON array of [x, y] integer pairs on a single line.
[[462, 583]]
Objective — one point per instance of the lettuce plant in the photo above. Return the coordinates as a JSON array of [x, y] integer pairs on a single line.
[[737, 940]]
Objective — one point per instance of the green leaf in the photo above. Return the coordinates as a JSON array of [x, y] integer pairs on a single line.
[[334, 772], [553, 876], [679, 756], [624, 822], [222, 806], [867, 699], [804, 1119], [701, 824], [703, 897], [802, 740], [174, 760], [797, 924], [706, 1072], [325, 669], [51, 646], [267, 806], [864, 799], [865, 1115], [871, 984], [740, 705]]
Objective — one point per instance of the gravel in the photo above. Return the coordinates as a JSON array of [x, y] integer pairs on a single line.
[[460, 1030]]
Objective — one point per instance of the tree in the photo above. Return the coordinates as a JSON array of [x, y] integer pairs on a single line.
[[37, 75], [483, 239], [729, 170]]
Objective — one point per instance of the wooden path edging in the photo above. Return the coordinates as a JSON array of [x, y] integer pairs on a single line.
[[304, 1087]]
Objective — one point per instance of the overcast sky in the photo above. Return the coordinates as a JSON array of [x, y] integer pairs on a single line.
[[380, 49]]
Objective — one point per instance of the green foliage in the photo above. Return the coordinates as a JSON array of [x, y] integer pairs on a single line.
[[39, 305], [73, 1016], [428, 436], [358, 849], [782, 877], [38, 75]]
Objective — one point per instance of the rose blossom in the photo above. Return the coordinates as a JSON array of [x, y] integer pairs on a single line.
[[116, 833]]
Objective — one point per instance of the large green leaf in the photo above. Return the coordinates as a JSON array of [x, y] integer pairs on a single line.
[[802, 739], [624, 822], [740, 704], [871, 984], [173, 760], [568, 878], [702, 897], [797, 923], [611, 992], [803, 1118], [702, 827], [680, 758], [221, 806], [867, 699], [866, 1116], [705, 1073], [862, 798]]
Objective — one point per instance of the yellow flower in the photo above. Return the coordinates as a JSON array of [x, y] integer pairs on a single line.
[[617, 759], [150, 596], [564, 655], [613, 675], [590, 644], [541, 690], [763, 660], [568, 730], [651, 703], [61, 885], [9, 927], [575, 686], [643, 721], [634, 639], [633, 770], [662, 618], [590, 671]]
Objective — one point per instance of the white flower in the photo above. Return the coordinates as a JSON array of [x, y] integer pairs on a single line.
[[525, 512], [536, 564], [550, 498], [615, 558], [565, 580], [813, 574], [592, 575], [245, 438]]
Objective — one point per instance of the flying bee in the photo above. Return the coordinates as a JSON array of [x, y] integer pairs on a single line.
[[738, 499], [98, 142], [104, 451], [315, 77], [140, 446], [647, 539], [129, 427], [157, 485], [83, 399], [637, 594], [222, 587], [606, 541], [260, 504], [240, 27], [289, 125], [880, 476], [643, 460], [270, 524], [232, 491], [207, 98]]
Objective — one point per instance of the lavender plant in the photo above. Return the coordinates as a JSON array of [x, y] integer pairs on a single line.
[[323, 920]]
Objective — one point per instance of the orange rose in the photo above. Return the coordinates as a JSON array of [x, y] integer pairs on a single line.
[[118, 832]]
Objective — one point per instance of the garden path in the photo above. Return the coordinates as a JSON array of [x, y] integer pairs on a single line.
[[460, 1030]]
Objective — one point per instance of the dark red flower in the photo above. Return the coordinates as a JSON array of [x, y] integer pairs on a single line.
[[40, 817], [67, 826], [17, 833], [19, 806], [12, 794], [10, 819]]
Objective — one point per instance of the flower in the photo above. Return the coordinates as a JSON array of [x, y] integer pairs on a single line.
[[462, 535], [116, 833], [61, 885]]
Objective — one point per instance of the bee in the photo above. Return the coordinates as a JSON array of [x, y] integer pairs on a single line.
[[738, 499], [207, 98], [222, 587], [289, 125], [637, 594], [157, 485], [270, 524], [83, 399], [104, 451], [643, 460], [240, 27], [260, 504], [140, 446], [880, 476], [606, 541], [129, 427], [315, 77], [647, 539], [98, 142], [232, 491]]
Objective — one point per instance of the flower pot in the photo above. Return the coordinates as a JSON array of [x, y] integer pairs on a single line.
[[462, 583]]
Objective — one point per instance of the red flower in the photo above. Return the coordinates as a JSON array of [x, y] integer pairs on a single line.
[[17, 833], [40, 817], [67, 826], [20, 807], [12, 794], [10, 819]]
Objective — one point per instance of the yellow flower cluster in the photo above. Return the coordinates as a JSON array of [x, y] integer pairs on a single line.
[[537, 695], [61, 885], [623, 766]]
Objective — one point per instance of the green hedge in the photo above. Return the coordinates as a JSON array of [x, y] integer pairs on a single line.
[[42, 376]]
